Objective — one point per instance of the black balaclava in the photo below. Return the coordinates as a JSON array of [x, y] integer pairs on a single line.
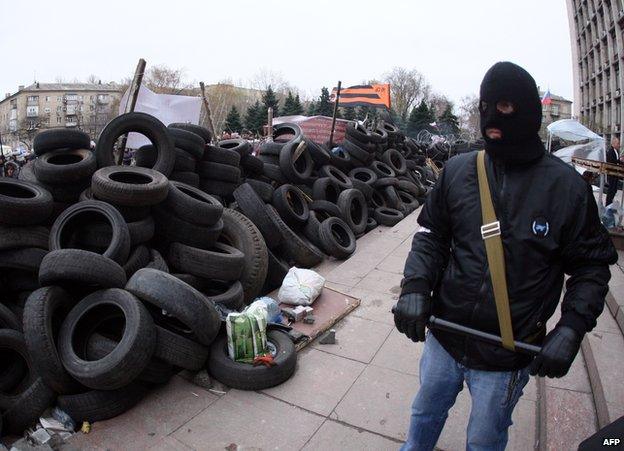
[[520, 142]]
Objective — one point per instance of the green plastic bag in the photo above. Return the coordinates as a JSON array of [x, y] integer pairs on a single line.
[[246, 333]]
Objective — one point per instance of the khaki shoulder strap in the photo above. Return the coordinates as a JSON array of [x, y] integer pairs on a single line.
[[490, 231]]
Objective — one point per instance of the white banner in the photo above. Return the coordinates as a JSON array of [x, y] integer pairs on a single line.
[[168, 108]]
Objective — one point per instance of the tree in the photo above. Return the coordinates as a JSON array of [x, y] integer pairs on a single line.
[[269, 100], [449, 122], [254, 120], [164, 80], [233, 121], [419, 119], [438, 103], [365, 112], [349, 113], [469, 118], [311, 111], [324, 106], [407, 88], [297, 107]]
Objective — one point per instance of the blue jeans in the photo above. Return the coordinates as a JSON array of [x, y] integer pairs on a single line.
[[494, 395]]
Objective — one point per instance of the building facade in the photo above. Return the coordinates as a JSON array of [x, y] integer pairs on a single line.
[[86, 106], [597, 37], [559, 108]]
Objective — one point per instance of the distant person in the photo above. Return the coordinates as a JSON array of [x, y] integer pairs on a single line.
[[613, 157], [545, 226], [11, 169]]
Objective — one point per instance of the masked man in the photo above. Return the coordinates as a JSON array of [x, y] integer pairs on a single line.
[[549, 227]]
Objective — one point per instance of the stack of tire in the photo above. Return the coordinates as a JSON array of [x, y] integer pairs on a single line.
[[91, 316]]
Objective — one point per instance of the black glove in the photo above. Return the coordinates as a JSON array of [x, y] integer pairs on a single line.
[[558, 353], [411, 314]]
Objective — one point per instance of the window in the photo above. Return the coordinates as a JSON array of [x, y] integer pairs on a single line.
[[59, 99], [46, 110], [59, 108], [47, 98], [58, 119], [33, 98], [91, 107]]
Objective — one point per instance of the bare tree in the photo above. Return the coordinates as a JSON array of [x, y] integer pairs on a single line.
[[165, 80], [93, 79], [438, 103], [407, 88], [469, 119]]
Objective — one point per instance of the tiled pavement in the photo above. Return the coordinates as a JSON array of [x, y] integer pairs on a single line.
[[354, 395]]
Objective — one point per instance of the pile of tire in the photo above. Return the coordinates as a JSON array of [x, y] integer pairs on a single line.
[[126, 284]]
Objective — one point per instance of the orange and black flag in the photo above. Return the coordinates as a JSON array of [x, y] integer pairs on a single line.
[[376, 96]]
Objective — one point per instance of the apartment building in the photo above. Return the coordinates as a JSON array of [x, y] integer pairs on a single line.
[[559, 108], [597, 36], [87, 106]]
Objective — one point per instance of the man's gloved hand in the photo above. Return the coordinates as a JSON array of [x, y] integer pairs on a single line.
[[558, 353], [411, 314]]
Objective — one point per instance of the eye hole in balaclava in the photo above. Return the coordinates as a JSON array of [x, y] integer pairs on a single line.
[[510, 102]]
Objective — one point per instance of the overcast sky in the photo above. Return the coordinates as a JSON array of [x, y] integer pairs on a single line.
[[309, 43]]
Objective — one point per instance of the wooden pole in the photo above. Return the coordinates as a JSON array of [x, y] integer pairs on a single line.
[[208, 114], [333, 128], [270, 124], [131, 101]]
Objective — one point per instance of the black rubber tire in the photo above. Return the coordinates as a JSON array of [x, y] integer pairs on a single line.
[[27, 408], [319, 153], [192, 204], [217, 187], [188, 141], [130, 186], [141, 231], [240, 232], [142, 123], [145, 156], [65, 166], [180, 351], [232, 296], [291, 205], [341, 160], [382, 182], [352, 205], [189, 178], [139, 258], [410, 187], [219, 171], [395, 160], [252, 165], [8, 320], [271, 148], [17, 281], [60, 138], [137, 339], [324, 209], [364, 188], [392, 198], [311, 229], [336, 238], [197, 129], [155, 372], [326, 188], [337, 175], [252, 206], [71, 267], [371, 224], [119, 246], [243, 376], [27, 236], [409, 201], [299, 170], [277, 270], [221, 262], [273, 172], [157, 261], [377, 200], [287, 128], [262, 189], [44, 310], [184, 302], [196, 282], [174, 229], [184, 162], [357, 152], [222, 156], [238, 145], [100, 405], [130, 214], [23, 203], [365, 175], [269, 159], [358, 132], [387, 216], [382, 169], [26, 258], [294, 247]]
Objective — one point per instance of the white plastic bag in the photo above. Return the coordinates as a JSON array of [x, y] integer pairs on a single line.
[[300, 287]]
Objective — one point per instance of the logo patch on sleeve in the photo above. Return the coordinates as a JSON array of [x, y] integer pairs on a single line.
[[540, 227]]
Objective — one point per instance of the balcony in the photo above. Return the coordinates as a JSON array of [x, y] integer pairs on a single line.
[[32, 111], [73, 123], [70, 110]]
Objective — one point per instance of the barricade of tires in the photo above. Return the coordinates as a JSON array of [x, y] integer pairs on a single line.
[[116, 288]]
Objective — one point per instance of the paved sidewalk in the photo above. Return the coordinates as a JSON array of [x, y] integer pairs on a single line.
[[354, 395]]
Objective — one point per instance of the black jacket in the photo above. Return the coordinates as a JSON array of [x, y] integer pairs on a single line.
[[549, 226], [612, 156]]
